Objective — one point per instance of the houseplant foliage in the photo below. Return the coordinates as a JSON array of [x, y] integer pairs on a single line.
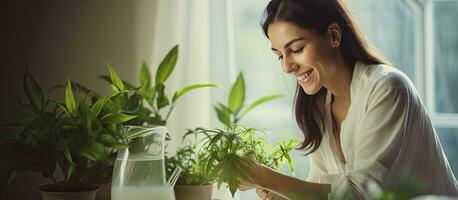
[[227, 149], [78, 135], [149, 100], [83, 134], [220, 156]]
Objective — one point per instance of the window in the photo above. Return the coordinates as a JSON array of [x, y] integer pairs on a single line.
[[420, 37]]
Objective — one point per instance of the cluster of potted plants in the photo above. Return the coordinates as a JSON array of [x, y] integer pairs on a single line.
[[81, 136]]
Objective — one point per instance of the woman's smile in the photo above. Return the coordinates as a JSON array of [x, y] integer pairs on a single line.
[[304, 77]]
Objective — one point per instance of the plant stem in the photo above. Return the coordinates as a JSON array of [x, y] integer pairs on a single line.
[[169, 112]]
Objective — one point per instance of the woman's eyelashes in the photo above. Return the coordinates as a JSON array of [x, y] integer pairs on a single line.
[[299, 50]]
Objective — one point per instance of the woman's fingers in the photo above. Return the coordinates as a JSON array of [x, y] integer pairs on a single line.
[[265, 194], [243, 186], [261, 193]]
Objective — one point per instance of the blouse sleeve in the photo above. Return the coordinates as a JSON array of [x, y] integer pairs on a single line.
[[378, 140], [317, 168]]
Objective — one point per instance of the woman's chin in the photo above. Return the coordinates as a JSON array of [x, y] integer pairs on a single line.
[[310, 90]]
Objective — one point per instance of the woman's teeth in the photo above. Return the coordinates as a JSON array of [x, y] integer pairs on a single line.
[[304, 75]]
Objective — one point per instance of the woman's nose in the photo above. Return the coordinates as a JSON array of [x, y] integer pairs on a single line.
[[289, 66]]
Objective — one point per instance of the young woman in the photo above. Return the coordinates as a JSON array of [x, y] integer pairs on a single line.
[[363, 121]]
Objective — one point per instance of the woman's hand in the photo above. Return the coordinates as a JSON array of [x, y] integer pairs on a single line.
[[268, 195], [255, 170]]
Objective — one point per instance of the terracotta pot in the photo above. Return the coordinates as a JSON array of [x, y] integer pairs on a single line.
[[190, 192], [83, 195]]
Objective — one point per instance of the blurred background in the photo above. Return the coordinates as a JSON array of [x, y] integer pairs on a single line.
[[57, 39]]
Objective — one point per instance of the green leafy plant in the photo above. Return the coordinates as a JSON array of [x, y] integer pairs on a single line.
[[227, 149], [149, 100], [216, 161], [80, 136], [190, 160]]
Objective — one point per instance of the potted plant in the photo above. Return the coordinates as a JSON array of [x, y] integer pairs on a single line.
[[193, 182], [196, 181], [78, 136]]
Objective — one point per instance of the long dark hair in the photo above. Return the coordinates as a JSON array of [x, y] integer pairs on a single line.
[[317, 15]]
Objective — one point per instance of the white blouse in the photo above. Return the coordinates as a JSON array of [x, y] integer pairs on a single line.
[[386, 136]]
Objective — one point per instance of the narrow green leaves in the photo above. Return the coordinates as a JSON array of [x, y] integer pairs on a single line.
[[184, 90], [237, 95], [70, 99], [117, 83], [33, 91], [116, 118], [259, 102], [223, 113], [93, 151], [167, 65], [145, 77]]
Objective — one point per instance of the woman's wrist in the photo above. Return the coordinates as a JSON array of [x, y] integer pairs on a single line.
[[262, 176]]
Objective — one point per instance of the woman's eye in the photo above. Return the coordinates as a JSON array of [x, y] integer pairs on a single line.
[[280, 57], [298, 50]]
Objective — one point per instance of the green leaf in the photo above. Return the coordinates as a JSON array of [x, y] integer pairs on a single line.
[[259, 102], [63, 108], [33, 91], [10, 175], [67, 154], [116, 118], [237, 95], [133, 103], [145, 77], [184, 90], [108, 79], [162, 99], [110, 141], [71, 169], [288, 157], [117, 83], [98, 105], [70, 99], [166, 67], [93, 151], [223, 116]]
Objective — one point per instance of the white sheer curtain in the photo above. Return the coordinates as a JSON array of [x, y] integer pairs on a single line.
[[184, 23], [188, 23]]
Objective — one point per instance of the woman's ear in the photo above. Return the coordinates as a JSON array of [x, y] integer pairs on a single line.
[[334, 35]]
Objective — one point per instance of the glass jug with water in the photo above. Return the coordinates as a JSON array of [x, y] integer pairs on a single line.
[[139, 171]]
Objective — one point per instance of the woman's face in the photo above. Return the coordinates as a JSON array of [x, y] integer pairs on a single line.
[[309, 57]]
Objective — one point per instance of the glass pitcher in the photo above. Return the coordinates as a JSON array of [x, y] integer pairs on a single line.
[[139, 171]]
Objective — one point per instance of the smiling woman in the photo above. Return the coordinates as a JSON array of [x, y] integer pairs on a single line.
[[362, 119]]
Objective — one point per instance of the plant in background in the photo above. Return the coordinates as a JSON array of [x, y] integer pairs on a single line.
[[79, 136], [148, 101], [190, 161]]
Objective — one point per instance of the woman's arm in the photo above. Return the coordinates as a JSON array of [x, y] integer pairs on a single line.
[[289, 187]]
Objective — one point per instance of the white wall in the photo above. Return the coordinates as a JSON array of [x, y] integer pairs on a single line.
[[56, 39]]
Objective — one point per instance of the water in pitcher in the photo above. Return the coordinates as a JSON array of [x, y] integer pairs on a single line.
[[139, 171], [141, 178]]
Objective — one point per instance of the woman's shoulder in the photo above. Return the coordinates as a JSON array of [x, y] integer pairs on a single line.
[[383, 76]]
